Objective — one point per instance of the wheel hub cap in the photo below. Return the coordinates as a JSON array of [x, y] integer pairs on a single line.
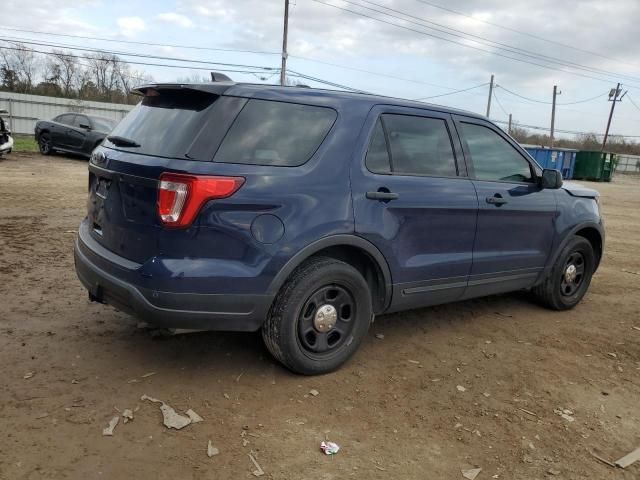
[[570, 273], [325, 318]]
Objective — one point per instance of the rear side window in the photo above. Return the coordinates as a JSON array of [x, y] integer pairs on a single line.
[[66, 119], [80, 120], [416, 146], [275, 134], [493, 158]]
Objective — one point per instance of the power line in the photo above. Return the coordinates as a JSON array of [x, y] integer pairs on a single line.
[[533, 100], [361, 70], [499, 103], [189, 67], [526, 34], [132, 54], [632, 102], [492, 43], [326, 82], [452, 93], [573, 132], [462, 44], [154, 44]]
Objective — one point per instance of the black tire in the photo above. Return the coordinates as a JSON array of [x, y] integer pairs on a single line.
[[557, 292], [290, 333], [44, 144]]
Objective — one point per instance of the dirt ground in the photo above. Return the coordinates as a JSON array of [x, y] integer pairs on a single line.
[[69, 366]]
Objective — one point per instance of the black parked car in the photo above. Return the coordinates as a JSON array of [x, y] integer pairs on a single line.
[[72, 132]]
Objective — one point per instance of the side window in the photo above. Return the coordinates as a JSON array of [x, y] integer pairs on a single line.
[[275, 134], [419, 145], [377, 160], [66, 119], [80, 120], [493, 157]]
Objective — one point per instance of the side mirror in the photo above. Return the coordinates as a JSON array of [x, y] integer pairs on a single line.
[[85, 126], [551, 179]]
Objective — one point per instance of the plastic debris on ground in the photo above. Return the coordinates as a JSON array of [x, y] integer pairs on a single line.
[[211, 450], [471, 474], [108, 431], [329, 448], [258, 472], [195, 418], [173, 419], [127, 415]]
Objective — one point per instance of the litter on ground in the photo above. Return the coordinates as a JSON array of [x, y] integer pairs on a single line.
[[108, 430], [329, 448], [127, 415], [258, 472], [211, 450], [195, 418], [628, 459], [471, 474], [171, 418]]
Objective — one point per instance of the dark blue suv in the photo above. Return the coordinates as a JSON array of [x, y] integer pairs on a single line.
[[306, 213]]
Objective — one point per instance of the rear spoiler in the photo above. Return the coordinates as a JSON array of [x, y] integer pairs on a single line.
[[214, 88], [219, 83]]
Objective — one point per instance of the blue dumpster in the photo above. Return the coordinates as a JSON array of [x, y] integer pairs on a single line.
[[563, 159]]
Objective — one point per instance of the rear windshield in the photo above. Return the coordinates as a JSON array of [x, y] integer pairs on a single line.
[[275, 134], [165, 123]]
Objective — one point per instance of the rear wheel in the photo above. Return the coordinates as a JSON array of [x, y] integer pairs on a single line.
[[570, 277], [319, 317], [44, 144]]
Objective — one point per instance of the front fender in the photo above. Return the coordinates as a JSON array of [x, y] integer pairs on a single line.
[[566, 237]]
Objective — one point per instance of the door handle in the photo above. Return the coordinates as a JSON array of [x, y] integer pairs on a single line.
[[496, 200], [382, 195]]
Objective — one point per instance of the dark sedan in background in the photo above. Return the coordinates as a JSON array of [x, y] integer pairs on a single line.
[[72, 132]]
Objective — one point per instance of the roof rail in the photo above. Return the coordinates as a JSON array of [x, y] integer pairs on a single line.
[[219, 77]]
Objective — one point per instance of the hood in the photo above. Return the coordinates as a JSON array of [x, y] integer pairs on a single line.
[[578, 190]]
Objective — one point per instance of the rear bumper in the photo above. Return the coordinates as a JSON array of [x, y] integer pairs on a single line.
[[227, 312]]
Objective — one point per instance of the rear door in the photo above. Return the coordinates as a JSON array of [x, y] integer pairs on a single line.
[[413, 201], [516, 216]]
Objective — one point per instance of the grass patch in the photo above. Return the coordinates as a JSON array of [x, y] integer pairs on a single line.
[[25, 144]]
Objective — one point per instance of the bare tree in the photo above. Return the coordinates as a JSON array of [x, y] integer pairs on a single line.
[[24, 63]]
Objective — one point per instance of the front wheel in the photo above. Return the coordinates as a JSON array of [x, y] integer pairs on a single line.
[[44, 144], [570, 277], [319, 317]]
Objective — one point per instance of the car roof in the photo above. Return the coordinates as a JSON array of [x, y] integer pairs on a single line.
[[301, 94]]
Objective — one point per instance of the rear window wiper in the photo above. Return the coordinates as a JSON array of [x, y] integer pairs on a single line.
[[123, 141]]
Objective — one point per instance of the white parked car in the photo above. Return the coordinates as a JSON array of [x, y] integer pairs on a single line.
[[6, 141]]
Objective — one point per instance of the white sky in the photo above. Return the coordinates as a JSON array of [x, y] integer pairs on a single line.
[[427, 65]]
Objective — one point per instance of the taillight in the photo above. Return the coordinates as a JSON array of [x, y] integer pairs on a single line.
[[180, 197]]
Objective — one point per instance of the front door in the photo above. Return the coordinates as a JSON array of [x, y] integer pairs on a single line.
[[413, 201], [76, 134], [516, 216]]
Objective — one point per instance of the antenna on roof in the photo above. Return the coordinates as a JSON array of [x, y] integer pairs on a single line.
[[219, 77]]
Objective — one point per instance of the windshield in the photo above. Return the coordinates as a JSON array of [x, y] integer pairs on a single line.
[[165, 123]]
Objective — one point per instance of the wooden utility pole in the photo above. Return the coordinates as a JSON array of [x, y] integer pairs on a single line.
[[613, 98], [490, 96], [553, 114], [509, 129], [283, 69]]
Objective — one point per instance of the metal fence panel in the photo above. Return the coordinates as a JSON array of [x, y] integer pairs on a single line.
[[25, 110], [628, 164]]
